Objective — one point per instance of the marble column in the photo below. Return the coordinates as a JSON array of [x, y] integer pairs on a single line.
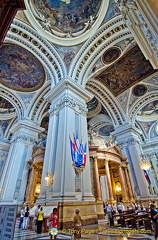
[[128, 138], [128, 182], [123, 184], [15, 173], [67, 116], [111, 197], [97, 181]]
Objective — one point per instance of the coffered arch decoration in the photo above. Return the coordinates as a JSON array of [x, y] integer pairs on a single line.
[[14, 100], [39, 104], [140, 103], [66, 23], [106, 37], [111, 105], [25, 36]]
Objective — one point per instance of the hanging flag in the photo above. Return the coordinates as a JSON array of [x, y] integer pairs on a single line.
[[78, 152], [147, 176]]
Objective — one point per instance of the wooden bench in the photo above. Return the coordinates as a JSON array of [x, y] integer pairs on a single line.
[[137, 221]]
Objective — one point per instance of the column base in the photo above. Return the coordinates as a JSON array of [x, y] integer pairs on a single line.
[[67, 212]]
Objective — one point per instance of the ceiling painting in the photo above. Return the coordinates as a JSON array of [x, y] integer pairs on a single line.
[[127, 71], [113, 10], [106, 130], [111, 55], [68, 53], [150, 108], [139, 90], [5, 106], [68, 16], [19, 69]]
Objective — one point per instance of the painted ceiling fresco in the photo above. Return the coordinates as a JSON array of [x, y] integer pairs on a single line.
[[150, 108], [5, 106], [106, 130], [127, 71], [19, 69], [113, 10], [139, 90], [111, 55], [65, 15]]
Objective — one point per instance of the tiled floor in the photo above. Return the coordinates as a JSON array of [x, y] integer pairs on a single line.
[[96, 232]]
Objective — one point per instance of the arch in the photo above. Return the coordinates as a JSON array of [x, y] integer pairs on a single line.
[[135, 108], [108, 35], [108, 101], [22, 34], [38, 103], [15, 100]]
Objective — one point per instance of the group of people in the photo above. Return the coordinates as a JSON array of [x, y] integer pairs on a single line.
[[112, 209], [38, 218], [53, 221]]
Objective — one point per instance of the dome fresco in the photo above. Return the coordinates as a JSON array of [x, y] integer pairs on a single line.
[[106, 130], [19, 69], [65, 15]]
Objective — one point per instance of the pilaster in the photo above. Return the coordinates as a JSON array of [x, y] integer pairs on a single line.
[[14, 176]]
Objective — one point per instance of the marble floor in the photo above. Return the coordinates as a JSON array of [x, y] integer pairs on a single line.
[[102, 231]]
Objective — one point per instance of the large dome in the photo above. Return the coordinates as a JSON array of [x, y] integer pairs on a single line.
[[66, 22]]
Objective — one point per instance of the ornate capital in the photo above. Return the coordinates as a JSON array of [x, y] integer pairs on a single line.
[[23, 139], [67, 102]]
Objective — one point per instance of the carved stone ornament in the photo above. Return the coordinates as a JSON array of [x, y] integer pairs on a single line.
[[23, 138], [67, 102], [78, 169]]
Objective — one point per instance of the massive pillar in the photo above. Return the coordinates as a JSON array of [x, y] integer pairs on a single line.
[[15, 172], [67, 116], [128, 139]]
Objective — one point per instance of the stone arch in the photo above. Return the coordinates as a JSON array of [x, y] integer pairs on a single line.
[[141, 103], [22, 34], [15, 100], [107, 36], [108, 101], [38, 103]]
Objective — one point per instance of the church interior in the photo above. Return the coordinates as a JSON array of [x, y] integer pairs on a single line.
[[78, 104]]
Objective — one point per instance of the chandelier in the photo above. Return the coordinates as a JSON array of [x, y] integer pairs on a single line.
[[145, 165]]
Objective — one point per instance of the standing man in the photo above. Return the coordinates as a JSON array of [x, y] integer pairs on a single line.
[[36, 217], [26, 218]]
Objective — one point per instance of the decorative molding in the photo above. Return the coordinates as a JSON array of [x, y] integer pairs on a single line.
[[113, 109], [135, 15], [23, 138], [140, 103], [5, 93], [23, 33], [100, 41], [67, 102]]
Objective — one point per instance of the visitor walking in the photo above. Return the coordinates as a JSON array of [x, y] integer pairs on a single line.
[[40, 220]]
